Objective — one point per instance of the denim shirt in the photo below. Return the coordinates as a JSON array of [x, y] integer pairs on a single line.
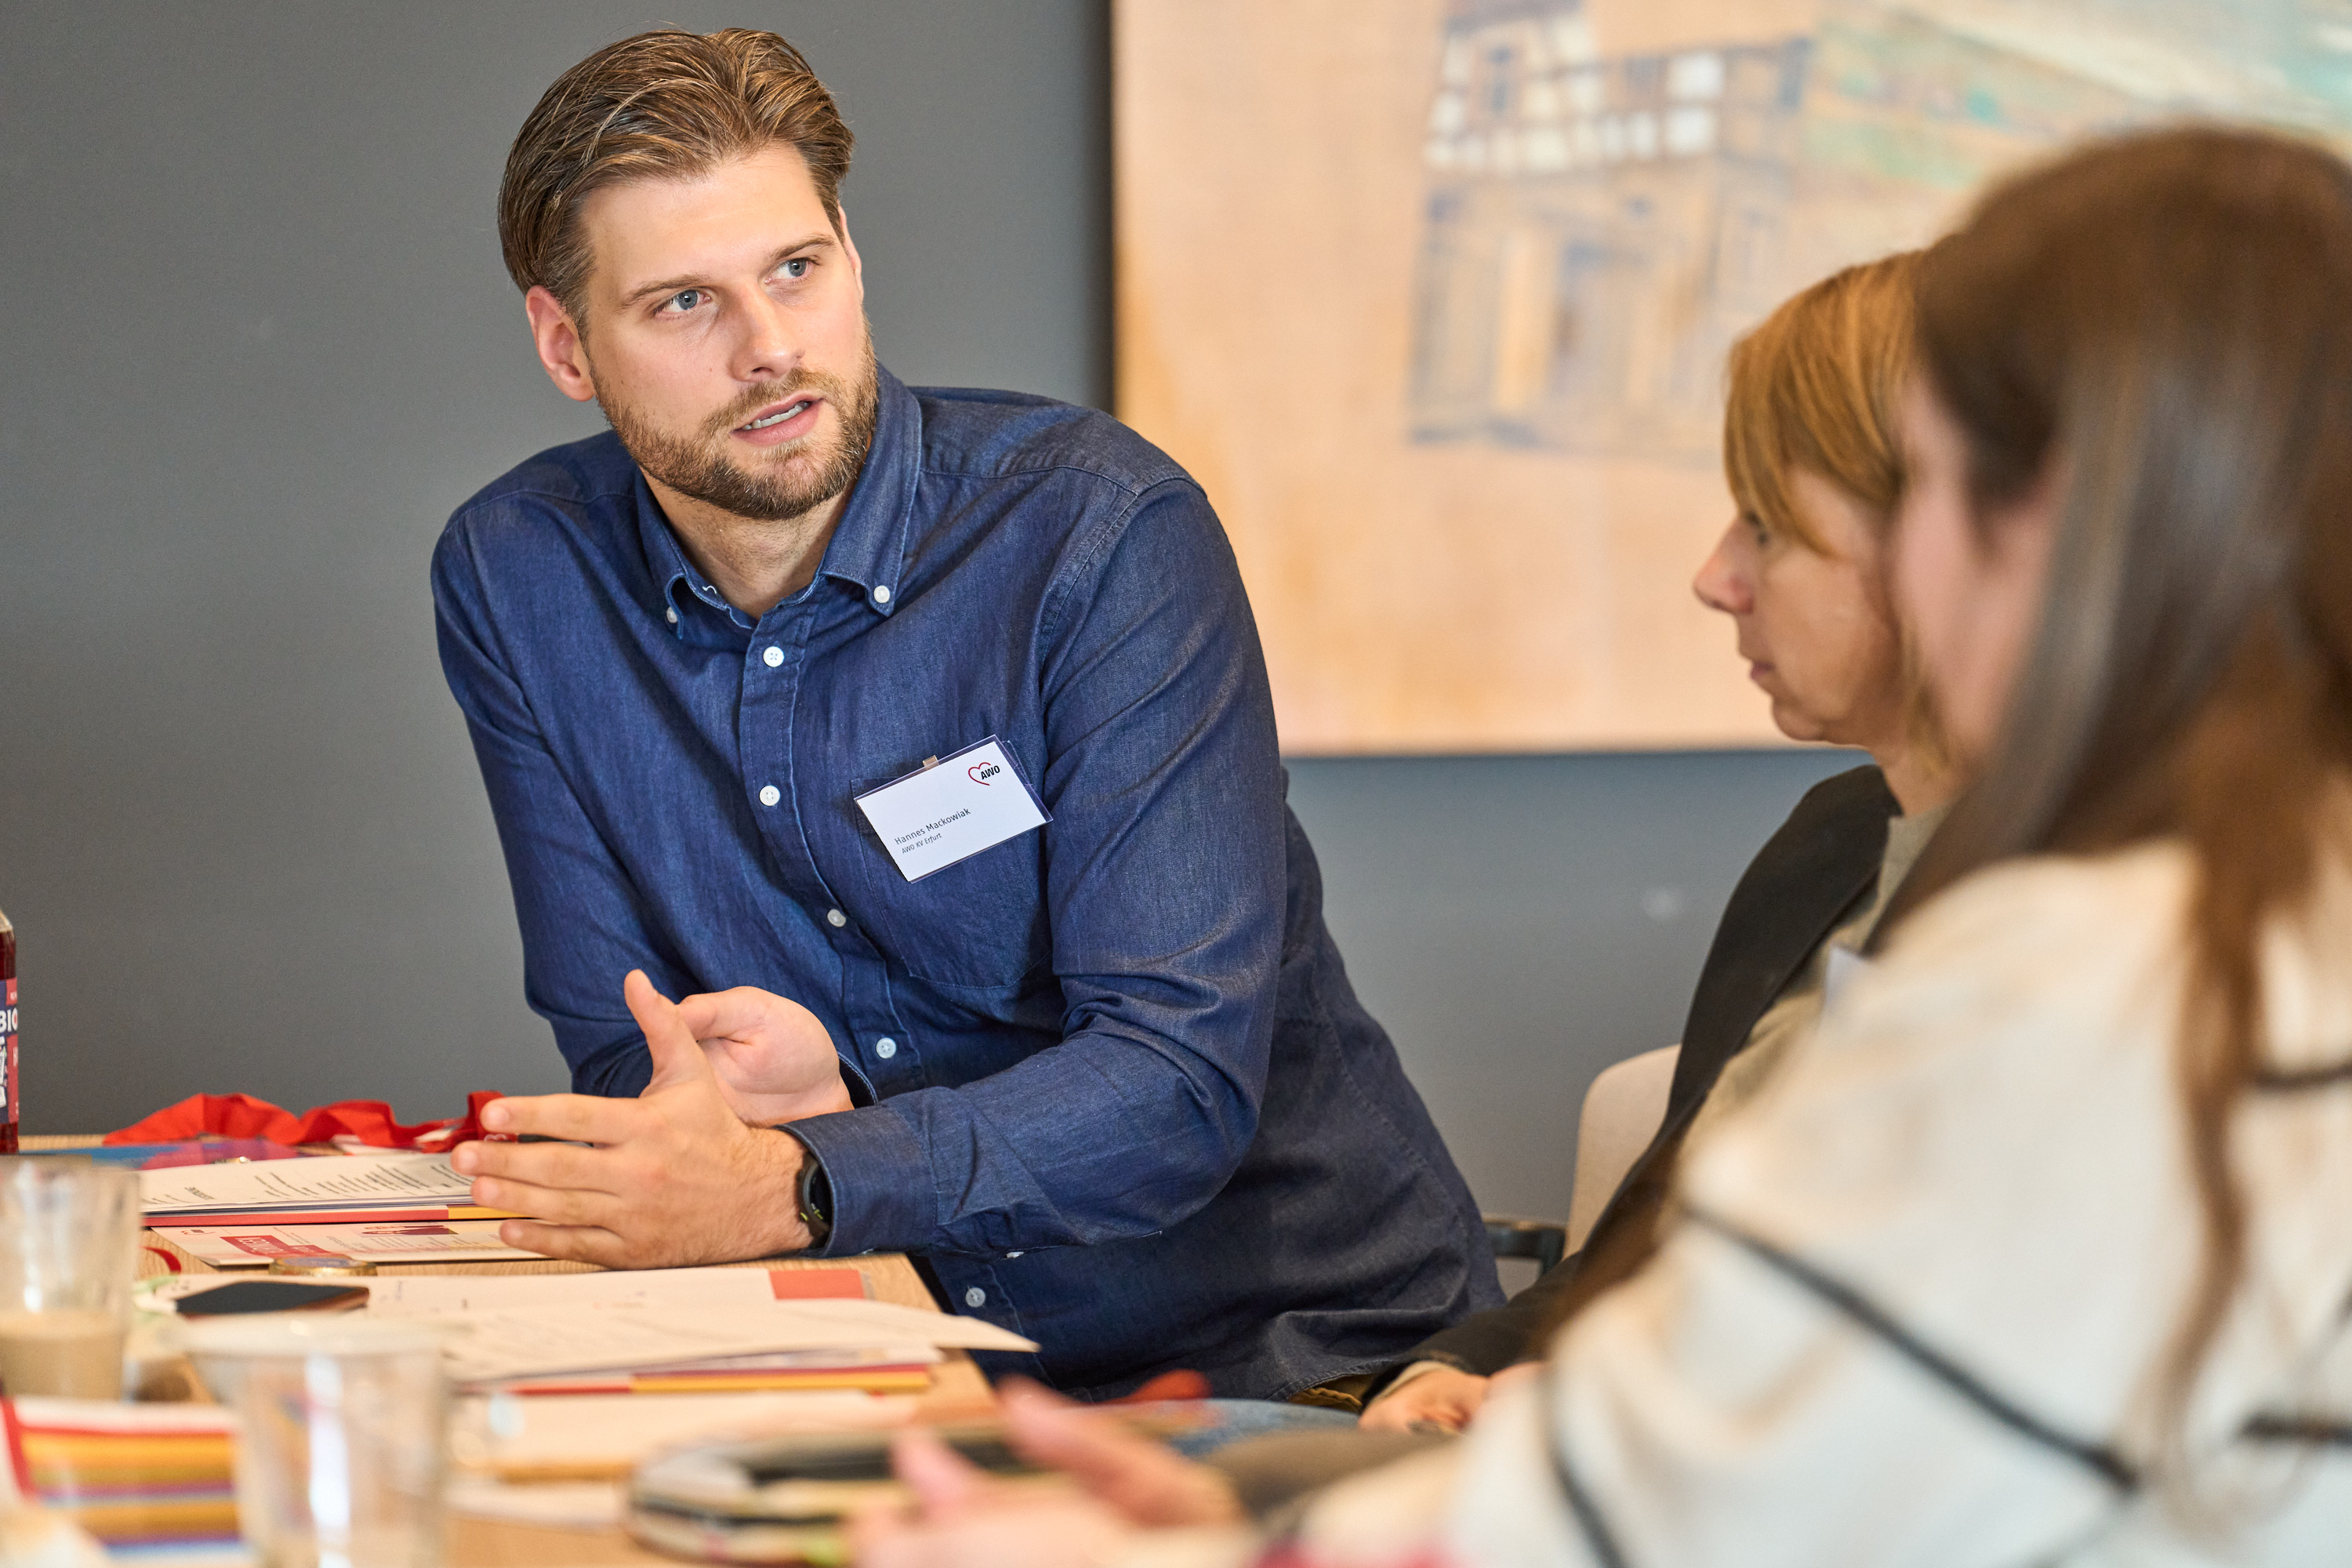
[[1124, 1102]]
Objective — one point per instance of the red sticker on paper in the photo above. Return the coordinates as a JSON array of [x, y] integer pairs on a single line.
[[274, 1247]]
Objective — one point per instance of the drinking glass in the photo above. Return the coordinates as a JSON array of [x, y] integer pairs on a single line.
[[68, 1234], [341, 1436]]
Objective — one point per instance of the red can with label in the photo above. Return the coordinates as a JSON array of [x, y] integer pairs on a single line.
[[8, 1034]]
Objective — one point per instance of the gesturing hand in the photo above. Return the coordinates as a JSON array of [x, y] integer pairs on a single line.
[[673, 1176], [773, 1060]]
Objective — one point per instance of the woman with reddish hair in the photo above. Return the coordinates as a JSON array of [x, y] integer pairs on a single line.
[[1814, 456]]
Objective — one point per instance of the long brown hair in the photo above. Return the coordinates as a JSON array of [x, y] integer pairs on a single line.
[[2161, 327]]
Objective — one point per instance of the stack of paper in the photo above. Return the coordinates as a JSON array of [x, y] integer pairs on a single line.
[[384, 1208], [460, 1295], [528, 1341], [389, 1187], [875, 1369], [682, 1330], [152, 1481], [393, 1241]]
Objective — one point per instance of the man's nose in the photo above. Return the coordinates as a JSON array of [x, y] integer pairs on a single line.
[[766, 348], [1720, 584]]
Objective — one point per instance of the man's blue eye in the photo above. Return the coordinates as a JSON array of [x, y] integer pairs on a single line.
[[686, 298], [797, 267]]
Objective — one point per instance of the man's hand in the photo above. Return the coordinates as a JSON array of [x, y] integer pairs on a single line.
[[773, 1060], [675, 1175], [1443, 1397], [962, 1519]]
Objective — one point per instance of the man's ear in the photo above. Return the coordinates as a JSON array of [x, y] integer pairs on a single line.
[[849, 247], [562, 353]]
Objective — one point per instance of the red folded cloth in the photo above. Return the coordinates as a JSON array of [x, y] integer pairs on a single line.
[[1180, 1383], [242, 1116]]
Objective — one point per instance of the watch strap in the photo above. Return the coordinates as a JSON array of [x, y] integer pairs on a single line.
[[816, 1195]]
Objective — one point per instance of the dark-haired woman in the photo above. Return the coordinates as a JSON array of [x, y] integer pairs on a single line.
[[2038, 1250]]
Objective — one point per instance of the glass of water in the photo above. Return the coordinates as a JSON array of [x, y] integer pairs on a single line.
[[341, 1436], [69, 1231]]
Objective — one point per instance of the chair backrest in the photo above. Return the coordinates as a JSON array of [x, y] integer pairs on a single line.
[[1622, 1111], [1542, 1242]]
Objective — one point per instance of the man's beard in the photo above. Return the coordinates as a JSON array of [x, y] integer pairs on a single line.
[[798, 481]]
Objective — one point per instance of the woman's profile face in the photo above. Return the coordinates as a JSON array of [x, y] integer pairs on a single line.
[[1970, 591], [1813, 624]]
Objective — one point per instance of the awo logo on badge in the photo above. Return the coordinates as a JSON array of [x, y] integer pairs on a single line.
[[982, 772]]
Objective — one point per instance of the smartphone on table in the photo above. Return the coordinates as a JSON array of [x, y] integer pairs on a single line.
[[271, 1295]]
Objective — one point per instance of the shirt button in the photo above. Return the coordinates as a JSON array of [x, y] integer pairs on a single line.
[[975, 1297], [773, 657], [835, 919], [1012, 1255], [885, 1047], [881, 593], [672, 613], [770, 795]]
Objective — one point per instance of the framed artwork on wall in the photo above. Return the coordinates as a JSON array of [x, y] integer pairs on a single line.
[[1433, 296]]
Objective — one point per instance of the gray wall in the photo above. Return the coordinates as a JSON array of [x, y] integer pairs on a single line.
[[258, 345]]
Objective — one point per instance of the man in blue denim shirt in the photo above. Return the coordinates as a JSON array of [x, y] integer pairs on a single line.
[[1107, 1075]]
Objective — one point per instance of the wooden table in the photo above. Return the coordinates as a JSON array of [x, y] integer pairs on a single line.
[[959, 1392]]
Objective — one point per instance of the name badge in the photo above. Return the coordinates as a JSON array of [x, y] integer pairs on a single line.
[[951, 808]]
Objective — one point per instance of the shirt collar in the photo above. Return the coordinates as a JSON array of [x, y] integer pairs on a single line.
[[868, 548]]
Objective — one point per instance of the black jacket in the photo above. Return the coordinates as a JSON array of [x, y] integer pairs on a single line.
[[1808, 879]]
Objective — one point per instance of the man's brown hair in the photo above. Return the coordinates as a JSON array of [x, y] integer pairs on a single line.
[[661, 105]]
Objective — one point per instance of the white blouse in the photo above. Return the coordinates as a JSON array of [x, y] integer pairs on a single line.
[[1915, 1305]]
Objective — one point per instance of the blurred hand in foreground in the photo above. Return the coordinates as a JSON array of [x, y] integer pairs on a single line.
[[1443, 1397], [1117, 1484]]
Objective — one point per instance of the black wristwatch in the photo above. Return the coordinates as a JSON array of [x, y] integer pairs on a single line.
[[815, 1197]]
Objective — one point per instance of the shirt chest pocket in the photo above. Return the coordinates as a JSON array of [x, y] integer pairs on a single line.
[[980, 923]]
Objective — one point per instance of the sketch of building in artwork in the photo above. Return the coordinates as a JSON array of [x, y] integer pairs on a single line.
[[1598, 230]]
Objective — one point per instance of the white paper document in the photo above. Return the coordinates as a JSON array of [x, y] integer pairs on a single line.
[[522, 1341], [388, 1241], [454, 1295], [293, 1184], [951, 807]]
